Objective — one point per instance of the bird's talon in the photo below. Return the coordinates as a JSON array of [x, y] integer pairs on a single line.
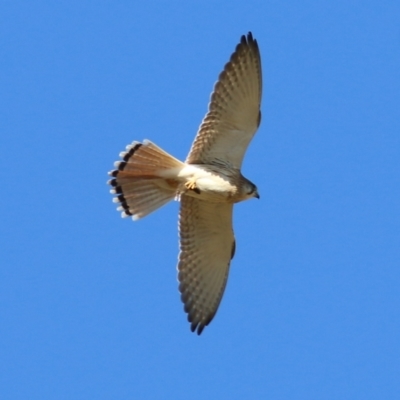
[[191, 185]]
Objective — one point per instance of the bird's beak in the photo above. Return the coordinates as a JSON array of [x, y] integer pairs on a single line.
[[256, 195]]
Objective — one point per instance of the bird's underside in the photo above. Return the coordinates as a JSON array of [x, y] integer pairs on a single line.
[[207, 184]]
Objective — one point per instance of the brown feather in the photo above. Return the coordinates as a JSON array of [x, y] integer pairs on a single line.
[[138, 181]]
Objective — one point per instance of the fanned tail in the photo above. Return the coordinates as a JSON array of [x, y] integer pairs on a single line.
[[144, 180]]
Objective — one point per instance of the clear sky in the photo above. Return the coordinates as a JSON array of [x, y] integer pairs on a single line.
[[89, 305]]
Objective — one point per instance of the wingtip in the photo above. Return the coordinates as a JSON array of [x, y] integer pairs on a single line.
[[197, 328], [247, 39]]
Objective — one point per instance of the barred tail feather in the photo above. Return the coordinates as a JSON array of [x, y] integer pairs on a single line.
[[141, 197], [139, 180]]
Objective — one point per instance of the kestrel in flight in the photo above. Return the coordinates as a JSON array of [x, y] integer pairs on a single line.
[[207, 184]]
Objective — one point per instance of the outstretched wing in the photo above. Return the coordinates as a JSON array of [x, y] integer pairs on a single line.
[[234, 111], [207, 246]]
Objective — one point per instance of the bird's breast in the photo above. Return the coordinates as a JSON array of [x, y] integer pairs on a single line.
[[209, 183]]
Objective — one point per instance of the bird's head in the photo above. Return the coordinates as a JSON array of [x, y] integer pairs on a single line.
[[249, 190]]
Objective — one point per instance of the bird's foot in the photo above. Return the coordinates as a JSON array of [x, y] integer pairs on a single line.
[[191, 185]]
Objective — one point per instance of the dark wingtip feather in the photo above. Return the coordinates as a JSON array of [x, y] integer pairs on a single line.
[[249, 41], [197, 328]]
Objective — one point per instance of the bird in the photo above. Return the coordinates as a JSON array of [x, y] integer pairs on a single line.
[[207, 184]]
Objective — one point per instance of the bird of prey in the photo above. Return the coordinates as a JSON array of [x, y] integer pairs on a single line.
[[207, 184]]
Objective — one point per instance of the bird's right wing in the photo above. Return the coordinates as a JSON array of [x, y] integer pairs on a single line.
[[207, 245], [234, 111]]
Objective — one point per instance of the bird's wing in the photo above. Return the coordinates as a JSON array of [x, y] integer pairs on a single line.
[[234, 110], [207, 246]]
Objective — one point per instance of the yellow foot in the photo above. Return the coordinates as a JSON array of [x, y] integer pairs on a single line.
[[191, 185]]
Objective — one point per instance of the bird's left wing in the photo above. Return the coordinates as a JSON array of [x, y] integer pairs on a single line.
[[234, 111], [207, 245]]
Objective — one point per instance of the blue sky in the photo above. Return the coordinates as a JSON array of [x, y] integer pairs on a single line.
[[89, 305]]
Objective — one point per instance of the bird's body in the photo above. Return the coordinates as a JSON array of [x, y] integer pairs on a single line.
[[207, 184]]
